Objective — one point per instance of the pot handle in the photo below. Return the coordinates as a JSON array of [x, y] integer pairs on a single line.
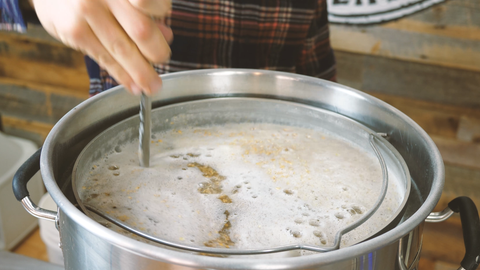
[[471, 230], [19, 185], [470, 225]]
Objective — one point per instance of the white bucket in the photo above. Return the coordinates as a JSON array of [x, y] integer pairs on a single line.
[[15, 222]]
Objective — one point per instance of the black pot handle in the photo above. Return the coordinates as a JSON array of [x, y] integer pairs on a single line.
[[19, 184], [28, 169], [471, 230]]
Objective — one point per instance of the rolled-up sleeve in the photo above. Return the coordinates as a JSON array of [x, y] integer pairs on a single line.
[[11, 18]]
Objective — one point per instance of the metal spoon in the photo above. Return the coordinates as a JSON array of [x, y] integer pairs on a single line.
[[145, 130]]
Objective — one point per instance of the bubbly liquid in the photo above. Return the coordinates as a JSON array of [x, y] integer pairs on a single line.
[[242, 186]]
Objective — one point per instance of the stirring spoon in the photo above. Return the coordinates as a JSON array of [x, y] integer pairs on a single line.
[[145, 130]]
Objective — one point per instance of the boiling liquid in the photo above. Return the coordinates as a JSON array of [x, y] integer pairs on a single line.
[[242, 186]]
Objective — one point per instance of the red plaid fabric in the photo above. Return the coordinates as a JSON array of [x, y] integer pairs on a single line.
[[284, 35]]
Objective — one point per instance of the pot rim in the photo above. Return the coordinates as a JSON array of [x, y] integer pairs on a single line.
[[182, 258]]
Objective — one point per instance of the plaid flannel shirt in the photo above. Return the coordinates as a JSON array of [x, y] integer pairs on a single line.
[[284, 35]]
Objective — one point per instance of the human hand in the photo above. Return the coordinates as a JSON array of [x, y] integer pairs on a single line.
[[120, 35]]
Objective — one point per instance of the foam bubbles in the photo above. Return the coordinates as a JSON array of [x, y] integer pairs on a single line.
[[279, 187], [299, 220], [314, 222], [296, 234], [322, 236]]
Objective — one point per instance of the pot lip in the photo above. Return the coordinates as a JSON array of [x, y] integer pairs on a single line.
[[182, 258]]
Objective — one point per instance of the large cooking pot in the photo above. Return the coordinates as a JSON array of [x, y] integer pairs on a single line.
[[88, 245]]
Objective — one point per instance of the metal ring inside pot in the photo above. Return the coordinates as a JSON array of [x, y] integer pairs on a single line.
[[290, 113]]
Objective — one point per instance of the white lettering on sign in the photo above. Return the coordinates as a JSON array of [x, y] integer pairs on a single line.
[[374, 11]]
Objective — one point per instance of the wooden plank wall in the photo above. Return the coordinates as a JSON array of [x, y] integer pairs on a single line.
[[40, 80], [446, 34], [427, 65]]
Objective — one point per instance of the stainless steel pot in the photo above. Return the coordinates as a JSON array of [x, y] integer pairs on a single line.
[[88, 245]]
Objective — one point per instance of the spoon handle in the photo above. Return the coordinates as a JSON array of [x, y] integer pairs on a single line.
[[145, 130]]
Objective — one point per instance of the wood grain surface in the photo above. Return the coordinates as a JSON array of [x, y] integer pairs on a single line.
[[445, 35], [42, 62], [33, 247]]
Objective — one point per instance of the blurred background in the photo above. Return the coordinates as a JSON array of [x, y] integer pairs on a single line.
[[426, 64]]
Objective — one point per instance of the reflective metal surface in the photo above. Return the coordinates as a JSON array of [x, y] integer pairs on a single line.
[[36, 211], [88, 245], [145, 130], [409, 251], [440, 216]]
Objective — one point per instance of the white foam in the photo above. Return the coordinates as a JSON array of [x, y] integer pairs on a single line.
[[286, 185]]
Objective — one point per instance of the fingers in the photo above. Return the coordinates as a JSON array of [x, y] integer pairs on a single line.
[[122, 50], [86, 41], [166, 31], [96, 50], [156, 8], [116, 33], [142, 30]]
